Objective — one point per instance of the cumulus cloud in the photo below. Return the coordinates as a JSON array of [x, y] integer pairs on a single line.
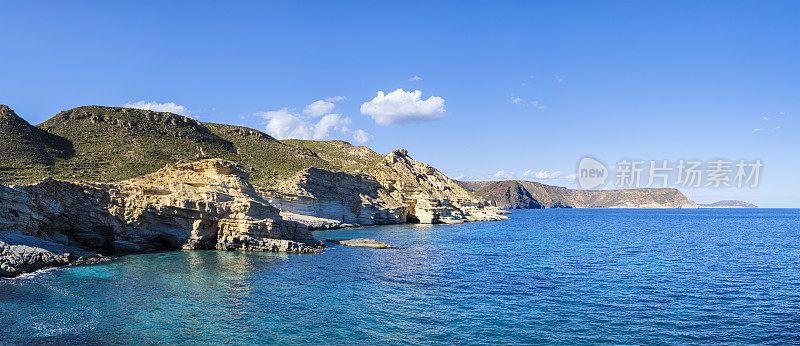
[[170, 107], [572, 177], [541, 174], [318, 108], [501, 174], [322, 107], [362, 137], [287, 123], [284, 123], [415, 79], [402, 107]]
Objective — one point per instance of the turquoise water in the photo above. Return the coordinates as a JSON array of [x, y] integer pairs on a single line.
[[558, 275]]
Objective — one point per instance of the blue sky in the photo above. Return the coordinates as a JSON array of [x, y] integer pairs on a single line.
[[517, 86]]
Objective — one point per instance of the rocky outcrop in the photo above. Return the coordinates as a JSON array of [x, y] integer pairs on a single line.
[[360, 242], [515, 194], [430, 196], [396, 190], [207, 204], [20, 254], [342, 199]]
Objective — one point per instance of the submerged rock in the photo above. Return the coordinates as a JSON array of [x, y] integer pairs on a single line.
[[361, 242]]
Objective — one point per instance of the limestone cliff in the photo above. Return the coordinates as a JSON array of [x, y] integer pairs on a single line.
[[515, 194], [207, 204], [101, 187], [396, 190]]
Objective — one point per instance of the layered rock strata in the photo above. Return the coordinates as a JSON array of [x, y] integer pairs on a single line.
[[397, 190], [207, 204]]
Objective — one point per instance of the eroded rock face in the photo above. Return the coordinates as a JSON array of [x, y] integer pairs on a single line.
[[207, 204], [397, 190], [515, 194], [339, 199]]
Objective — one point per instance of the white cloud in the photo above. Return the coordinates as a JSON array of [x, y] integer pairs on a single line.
[[559, 79], [170, 107], [287, 123], [572, 177], [501, 174], [766, 118], [541, 174], [415, 79], [322, 107], [318, 108], [758, 129], [401, 107], [362, 137], [331, 121], [284, 123], [520, 101]]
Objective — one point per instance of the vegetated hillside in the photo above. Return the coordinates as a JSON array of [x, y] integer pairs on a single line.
[[25, 145], [97, 143], [266, 158], [515, 194], [343, 155], [114, 143]]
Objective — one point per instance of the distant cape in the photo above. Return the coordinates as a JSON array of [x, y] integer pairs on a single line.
[[728, 203]]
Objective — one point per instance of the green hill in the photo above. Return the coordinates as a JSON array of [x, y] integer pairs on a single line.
[[342, 155], [99, 143], [25, 145]]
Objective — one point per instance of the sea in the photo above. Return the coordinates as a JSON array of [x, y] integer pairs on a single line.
[[553, 276]]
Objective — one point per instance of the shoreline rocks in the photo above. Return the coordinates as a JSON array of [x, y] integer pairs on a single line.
[[207, 204], [361, 242], [23, 254], [210, 204]]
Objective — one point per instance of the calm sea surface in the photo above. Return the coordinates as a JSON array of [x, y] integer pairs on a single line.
[[564, 276]]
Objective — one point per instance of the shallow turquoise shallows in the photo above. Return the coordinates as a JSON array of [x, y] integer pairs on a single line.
[[558, 275]]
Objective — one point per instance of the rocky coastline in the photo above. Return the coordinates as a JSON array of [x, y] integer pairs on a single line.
[[210, 204]]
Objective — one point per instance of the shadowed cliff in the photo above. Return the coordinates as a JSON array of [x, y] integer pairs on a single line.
[[516, 194]]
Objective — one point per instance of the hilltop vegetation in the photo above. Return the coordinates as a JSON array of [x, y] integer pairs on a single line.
[[25, 145], [341, 154], [98, 143]]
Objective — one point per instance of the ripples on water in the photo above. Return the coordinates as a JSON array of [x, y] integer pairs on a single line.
[[616, 276]]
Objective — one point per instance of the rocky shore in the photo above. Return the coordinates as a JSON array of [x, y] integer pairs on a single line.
[[210, 204]]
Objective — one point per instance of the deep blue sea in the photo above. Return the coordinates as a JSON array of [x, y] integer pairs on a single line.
[[544, 276]]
